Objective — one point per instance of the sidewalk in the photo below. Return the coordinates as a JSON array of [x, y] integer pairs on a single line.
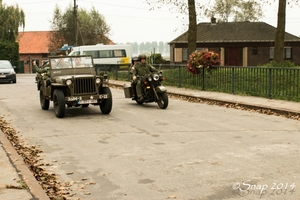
[[14, 173], [16, 181]]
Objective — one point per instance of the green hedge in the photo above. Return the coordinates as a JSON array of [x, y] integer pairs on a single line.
[[10, 51]]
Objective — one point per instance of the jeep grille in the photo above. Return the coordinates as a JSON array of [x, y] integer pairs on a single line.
[[84, 86]]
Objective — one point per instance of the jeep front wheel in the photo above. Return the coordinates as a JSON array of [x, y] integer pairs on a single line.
[[106, 104], [43, 101], [59, 103]]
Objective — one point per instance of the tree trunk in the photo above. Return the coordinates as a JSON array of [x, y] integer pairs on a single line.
[[192, 32], [280, 32]]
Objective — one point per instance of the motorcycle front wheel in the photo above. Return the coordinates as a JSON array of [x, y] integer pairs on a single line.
[[163, 100]]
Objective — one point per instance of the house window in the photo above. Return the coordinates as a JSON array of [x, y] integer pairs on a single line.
[[271, 53], [177, 54], [184, 54], [254, 50], [44, 55], [287, 53]]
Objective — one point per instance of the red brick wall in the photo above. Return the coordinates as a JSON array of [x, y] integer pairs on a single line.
[[28, 61], [263, 55]]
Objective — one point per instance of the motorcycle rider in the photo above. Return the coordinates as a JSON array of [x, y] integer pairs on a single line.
[[134, 60], [141, 68]]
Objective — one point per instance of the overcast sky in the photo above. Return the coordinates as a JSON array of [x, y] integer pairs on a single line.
[[131, 20]]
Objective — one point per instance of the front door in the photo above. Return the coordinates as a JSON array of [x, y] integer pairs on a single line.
[[234, 57]]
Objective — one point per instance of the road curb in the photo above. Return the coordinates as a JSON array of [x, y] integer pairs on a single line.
[[239, 103], [25, 174]]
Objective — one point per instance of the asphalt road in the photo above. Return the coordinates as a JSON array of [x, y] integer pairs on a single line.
[[188, 151]]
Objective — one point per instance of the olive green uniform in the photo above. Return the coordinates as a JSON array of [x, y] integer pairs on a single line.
[[43, 70], [140, 69]]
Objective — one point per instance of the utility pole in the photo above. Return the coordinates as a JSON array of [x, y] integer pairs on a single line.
[[75, 23]]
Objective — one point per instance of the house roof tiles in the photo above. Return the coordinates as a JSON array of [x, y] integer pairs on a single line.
[[235, 32], [36, 42], [33, 42]]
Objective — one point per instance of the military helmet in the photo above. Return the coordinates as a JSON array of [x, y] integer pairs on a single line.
[[142, 56], [134, 59]]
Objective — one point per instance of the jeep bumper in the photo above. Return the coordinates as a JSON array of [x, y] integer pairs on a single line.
[[90, 99]]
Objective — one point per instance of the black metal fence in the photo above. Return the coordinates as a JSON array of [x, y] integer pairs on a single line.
[[268, 82]]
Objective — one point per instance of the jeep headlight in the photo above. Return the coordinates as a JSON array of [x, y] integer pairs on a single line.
[[155, 77], [98, 80], [105, 78], [69, 82]]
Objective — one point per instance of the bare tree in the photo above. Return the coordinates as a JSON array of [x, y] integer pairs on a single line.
[[247, 11], [280, 32], [222, 10], [237, 10], [182, 6], [192, 32]]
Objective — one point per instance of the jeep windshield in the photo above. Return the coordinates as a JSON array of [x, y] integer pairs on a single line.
[[71, 62]]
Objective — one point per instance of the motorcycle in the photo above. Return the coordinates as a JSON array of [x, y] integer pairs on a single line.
[[153, 90]]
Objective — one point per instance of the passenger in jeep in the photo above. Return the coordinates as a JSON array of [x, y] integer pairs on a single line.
[[78, 62]]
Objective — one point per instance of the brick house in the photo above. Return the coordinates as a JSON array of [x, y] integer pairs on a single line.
[[238, 43], [33, 45]]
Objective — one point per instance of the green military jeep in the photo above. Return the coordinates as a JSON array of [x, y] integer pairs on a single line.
[[72, 82]]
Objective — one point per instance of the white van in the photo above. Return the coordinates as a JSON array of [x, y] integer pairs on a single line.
[[106, 57]]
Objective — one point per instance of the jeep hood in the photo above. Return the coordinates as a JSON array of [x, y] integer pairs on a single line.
[[64, 77]]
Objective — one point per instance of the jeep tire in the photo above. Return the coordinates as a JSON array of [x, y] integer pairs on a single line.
[[59, 103], [106, 104], [43, 101]]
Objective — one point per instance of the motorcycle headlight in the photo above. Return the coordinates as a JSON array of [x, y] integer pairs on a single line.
[[69, 82], [155, 77], [98, 80]]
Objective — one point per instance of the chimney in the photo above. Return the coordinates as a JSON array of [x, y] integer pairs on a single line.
[[213, 20]]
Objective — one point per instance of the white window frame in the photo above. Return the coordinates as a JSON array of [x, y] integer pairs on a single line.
[[287, 53]]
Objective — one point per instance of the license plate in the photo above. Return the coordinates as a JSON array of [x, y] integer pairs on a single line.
[[2, 76], [103, 96], [87, 101]]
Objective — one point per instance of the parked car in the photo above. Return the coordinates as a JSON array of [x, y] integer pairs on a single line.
[[7, 72]]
